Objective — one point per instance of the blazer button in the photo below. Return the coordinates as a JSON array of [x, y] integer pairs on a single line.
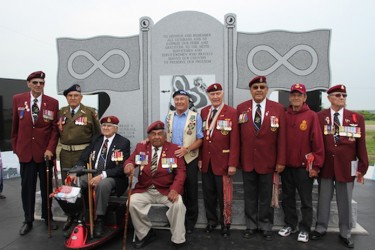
[[33, 138]]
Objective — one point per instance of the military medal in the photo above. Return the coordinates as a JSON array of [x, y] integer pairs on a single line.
[[274, 123], [27, 107], [48, 114], [141, 159], [303, 125], [117, 156], [22, 112], [169, 163], [243, 118]]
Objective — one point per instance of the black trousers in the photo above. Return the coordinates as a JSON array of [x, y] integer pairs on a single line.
[[190, 196], [213, 194], [297, 179], [29, 174], [258, 196]]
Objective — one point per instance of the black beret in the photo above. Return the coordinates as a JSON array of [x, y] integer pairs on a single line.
[[181, 92], [74, 87]]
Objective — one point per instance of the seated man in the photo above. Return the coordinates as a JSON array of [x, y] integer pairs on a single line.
[[161, 180], [109, 151]]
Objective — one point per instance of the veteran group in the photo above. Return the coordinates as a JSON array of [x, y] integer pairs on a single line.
[[271, 144]]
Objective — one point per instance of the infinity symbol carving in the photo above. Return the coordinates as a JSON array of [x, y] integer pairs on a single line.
[[283, 60], [99, 64]]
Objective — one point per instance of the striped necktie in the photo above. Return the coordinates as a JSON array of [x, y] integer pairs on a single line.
[[154, 161], [258, 118], [103, 156], [336, 122]]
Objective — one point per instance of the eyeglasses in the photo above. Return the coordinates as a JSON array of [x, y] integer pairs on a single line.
[[338, 95], [36, 82], [258, 87]]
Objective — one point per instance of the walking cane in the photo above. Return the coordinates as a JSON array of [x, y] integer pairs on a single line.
[[127, 210], [48, 202], [55, 175], [89, 177]]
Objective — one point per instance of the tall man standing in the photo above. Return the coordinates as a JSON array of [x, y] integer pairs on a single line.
[[77, 125], [219, 156], [184, 128], [304, 158], [34, 139], [263, 151], [345, 159]]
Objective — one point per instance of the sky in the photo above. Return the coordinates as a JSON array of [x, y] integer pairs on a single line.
[[29, 29]]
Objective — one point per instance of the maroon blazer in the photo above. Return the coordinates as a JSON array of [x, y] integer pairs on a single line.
[[30, 141], [263, 150], [223, 147], [163, 180], [338, 157]]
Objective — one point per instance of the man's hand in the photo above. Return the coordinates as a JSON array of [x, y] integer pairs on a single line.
[[72, 179], [129, 168], [279, 168], [172, 196], [95, 181], [181, 152], [313, 173], [48, 155], [200, 165], [232, 170]]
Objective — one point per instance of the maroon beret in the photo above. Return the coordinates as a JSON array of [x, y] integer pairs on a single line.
[[155, 126], [258, 79], [110, 119], [337, 88], [214, 87], [74, 87], [36, 74], [299, 87]]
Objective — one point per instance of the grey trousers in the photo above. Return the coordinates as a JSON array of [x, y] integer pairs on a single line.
[[344, 193], [140, 204], [102, 191]]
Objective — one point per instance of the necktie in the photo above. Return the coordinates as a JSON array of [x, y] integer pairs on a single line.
[[213, 113], [103, 156], [258, 118], [35, 110], [336, 122], [72, 113], [154, 161]]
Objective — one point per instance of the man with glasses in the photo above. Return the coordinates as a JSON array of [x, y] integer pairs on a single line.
[[34, 139], [161, 180], [304, 158], [345, 159], [263, 151], [108, 151]]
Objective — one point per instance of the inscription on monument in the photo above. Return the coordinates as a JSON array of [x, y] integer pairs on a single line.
[[187, 48]]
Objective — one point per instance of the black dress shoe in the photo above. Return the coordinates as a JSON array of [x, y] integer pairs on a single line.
[[348, 242], [99, 228], [316, 235], [209, 228], [267, 235], [147, 239], [225, 231], [26, 227], [248, 233], [68, 223], [54, 225]]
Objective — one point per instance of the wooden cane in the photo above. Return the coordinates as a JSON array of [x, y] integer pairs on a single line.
[[48, 202], [55, 175], [89, 177], [127, 210]]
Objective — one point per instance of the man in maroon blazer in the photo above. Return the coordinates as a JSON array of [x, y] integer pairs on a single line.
[[161, 180], [34, 139], [345, 159], [263, 147], [219, 157]]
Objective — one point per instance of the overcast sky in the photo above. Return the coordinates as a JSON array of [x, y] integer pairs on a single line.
[[28, 32]]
